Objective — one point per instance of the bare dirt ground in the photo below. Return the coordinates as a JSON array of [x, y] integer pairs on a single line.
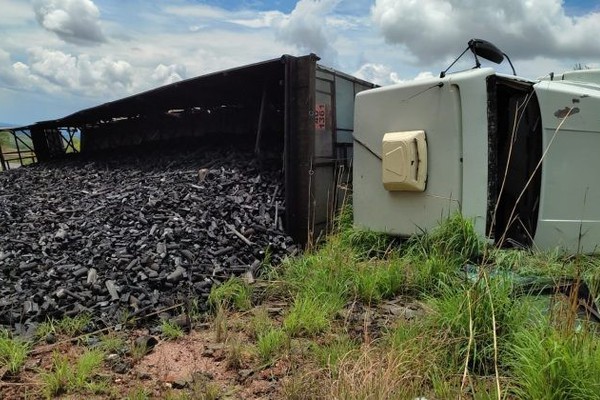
[[211, 361]]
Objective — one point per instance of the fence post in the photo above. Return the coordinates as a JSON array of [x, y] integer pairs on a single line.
[[2, 161]]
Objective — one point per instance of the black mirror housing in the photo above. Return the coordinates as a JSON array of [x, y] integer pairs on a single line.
[[487, 50]]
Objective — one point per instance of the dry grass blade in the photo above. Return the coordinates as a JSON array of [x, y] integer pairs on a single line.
[[374, 375], [495, 335], [469, 346]]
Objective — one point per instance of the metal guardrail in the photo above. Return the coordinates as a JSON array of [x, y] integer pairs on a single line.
[[22, 154], [22, 151], [10, 159]]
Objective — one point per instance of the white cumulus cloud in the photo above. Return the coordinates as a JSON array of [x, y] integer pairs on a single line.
[[433, 30], [54, 71], [305, 27], [166, 74], [382, 74], [74, 21], [377, 73]]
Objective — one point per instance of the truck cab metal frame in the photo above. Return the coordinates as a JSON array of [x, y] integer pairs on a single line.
[[517, 156]]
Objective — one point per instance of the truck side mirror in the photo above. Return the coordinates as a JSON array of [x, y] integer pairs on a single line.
[[484, 49], [487, 50]]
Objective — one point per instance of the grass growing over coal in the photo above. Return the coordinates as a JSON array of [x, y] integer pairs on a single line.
[[233, 294], [170, 330]]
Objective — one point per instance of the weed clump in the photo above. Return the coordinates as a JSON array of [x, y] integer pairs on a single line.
[[548, 363], [67, 378], [13, 352], [271, 343], [233, 294], [372, 374], [479, 320], [309, 316], [69, 326], [260, 323], [376, 281], [170, 330], [235, 353], [435, 258]]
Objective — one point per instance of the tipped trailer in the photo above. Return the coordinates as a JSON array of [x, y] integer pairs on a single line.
[[291, 111], [517, 156]]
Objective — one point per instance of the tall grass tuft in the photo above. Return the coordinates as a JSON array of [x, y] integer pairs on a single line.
[[423, 348], [479, 320], [13, 352], [455, 239], [271, 343], [319, 284], [549, 364], [233, 294], [66, 378], [310, 315], [376, 281], [364, 243], [436, 257], [367, 244]]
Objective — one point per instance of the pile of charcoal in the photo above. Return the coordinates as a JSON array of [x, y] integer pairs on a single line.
[[133, 234]]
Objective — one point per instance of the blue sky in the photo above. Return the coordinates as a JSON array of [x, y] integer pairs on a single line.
[[59, 56]]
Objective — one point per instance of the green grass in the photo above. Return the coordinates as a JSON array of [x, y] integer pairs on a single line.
[[329, 355], [65, 378], [233, 294], [170, 330], [72, 326], [367, 244], [138, 393], [87, 364], [376, 281], [370, 267], [470, 325], [454, 239], [69, 326], [57, 381], [260, 322], [13, 352], [45, 328], [112, 343], [309, 316], [327, 270], [270, 344], [547, 363], [476, 305], [139, 351], [6, 140], [473, 323], [76, 144]]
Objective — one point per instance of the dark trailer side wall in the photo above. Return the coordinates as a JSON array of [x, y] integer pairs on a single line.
[[290, 110]]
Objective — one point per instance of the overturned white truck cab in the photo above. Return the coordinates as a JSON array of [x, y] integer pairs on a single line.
[[521, 158]]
